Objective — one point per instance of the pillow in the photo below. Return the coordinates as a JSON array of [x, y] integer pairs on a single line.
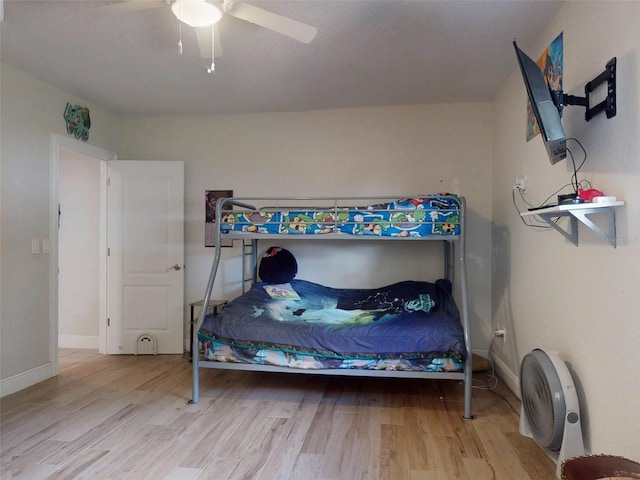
[[277, 266]]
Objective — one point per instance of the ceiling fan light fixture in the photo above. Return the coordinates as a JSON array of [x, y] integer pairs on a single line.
[[196, 13]]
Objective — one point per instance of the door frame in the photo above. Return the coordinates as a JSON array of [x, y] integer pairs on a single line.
[[103, 156]]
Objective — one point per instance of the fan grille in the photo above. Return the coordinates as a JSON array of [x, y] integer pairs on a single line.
[[542, 399]]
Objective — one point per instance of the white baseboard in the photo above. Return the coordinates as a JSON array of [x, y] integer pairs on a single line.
[[77, 341], [482, 353], [23, 380], [508, 377]]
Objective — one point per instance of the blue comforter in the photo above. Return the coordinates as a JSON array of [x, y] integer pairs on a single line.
[[405, 320]]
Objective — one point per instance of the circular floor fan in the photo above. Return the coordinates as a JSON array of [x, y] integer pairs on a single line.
[[550, 410]]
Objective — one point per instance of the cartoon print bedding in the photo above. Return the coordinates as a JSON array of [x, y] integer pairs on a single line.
[[405, 326], [409, 217]]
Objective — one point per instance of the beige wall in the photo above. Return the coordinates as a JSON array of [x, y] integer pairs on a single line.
[[384, 151], [31, 112], [579, 301]]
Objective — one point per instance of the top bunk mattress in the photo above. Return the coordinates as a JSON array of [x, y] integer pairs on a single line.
[[408, 320], [415, 217]]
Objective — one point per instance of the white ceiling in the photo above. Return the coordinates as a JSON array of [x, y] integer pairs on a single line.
[[366, 53]]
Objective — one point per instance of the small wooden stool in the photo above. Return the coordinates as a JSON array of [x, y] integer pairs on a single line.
[[595, 467]]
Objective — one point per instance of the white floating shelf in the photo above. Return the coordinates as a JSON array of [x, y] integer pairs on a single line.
[[581, 212]]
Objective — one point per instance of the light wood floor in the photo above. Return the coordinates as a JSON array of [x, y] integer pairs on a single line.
[[126, 417]]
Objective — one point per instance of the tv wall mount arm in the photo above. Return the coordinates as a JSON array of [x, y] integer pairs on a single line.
[[608, 105]]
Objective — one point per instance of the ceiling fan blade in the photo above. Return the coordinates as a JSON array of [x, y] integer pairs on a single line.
[[203, 34], [127, 7], [286, 26]]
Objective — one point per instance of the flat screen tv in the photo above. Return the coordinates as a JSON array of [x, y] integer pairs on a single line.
[[544, 108]]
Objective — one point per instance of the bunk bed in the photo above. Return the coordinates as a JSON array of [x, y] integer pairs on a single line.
[[409, 329]]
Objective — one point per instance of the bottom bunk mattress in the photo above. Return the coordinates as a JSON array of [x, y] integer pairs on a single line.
[[404, 326]]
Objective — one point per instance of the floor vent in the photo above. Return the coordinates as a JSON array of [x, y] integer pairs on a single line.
[[146, 345]]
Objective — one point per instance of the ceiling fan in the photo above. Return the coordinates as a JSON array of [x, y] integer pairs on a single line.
[[202, 13]]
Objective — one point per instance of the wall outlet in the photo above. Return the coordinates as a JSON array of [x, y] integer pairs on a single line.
[[35, 246], [521, 184]]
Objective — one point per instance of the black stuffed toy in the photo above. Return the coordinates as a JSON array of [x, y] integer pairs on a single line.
[[278, 265]]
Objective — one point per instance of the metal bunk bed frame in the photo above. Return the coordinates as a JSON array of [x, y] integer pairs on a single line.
[[249, 275]]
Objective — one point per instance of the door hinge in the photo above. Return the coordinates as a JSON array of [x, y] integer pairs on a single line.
[[108, 252], [108, 322], [108, 181]]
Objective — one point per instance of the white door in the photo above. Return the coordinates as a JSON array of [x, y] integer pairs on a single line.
[[145, 255]]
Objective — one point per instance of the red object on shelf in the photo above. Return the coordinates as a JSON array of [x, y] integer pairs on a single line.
[[588, 195]]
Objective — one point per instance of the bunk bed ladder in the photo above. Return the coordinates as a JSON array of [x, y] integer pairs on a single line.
[[449, 261], [249, 263]]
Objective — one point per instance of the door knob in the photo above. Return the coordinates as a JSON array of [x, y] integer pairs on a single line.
[[175, 267]]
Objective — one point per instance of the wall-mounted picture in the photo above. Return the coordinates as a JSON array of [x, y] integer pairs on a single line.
[[78, 121], [551, 63], [211, 197]]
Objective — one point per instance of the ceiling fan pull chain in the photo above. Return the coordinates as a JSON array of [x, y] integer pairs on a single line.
[[180, 38], [213, 65]]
